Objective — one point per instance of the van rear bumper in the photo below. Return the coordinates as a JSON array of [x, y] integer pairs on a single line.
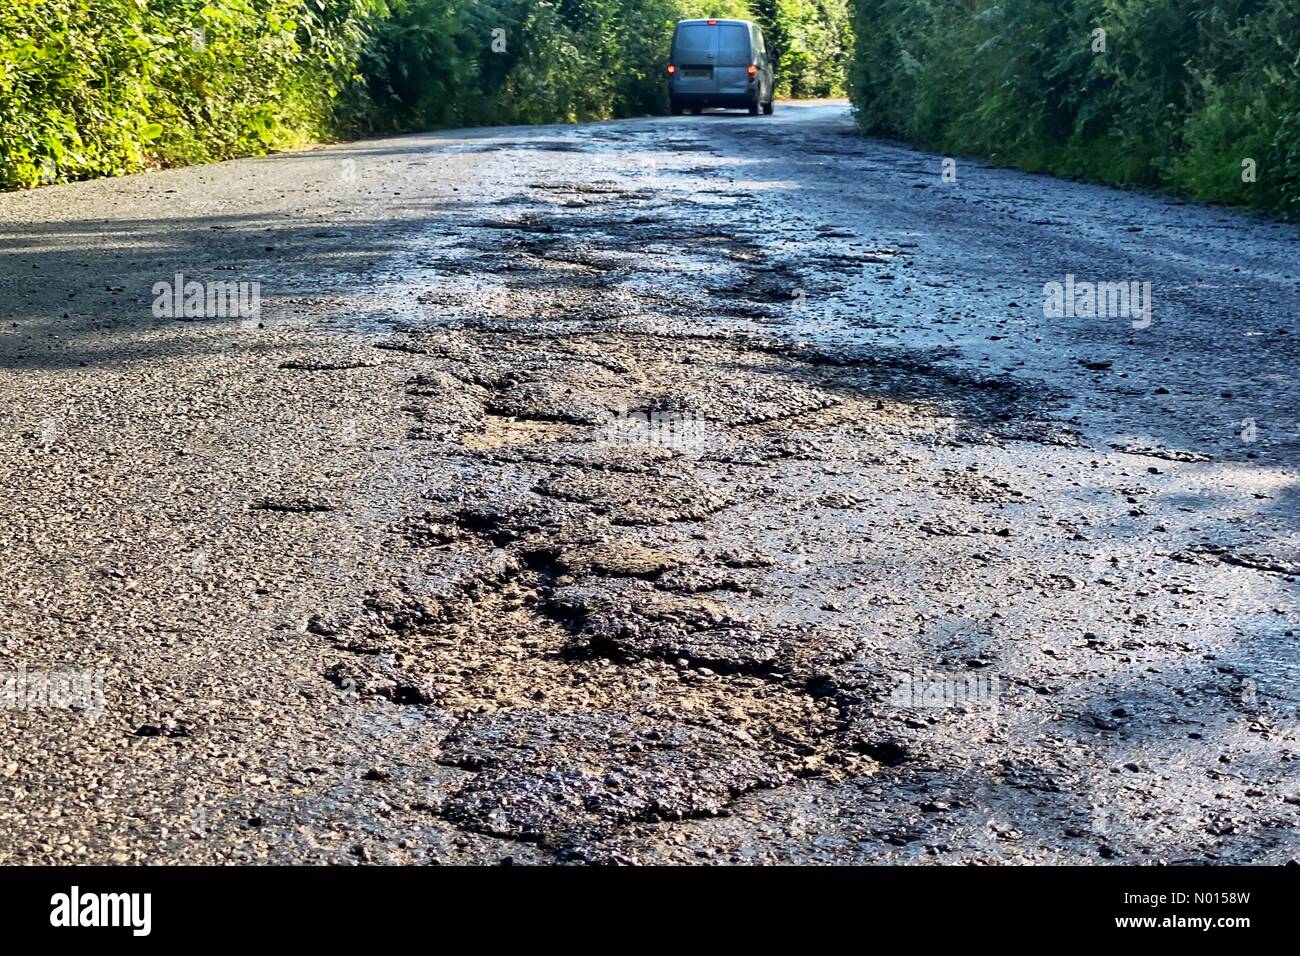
[[691, 100]]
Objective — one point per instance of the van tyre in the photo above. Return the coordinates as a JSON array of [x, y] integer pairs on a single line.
[[676, 108], [768, 107], [753, 107]]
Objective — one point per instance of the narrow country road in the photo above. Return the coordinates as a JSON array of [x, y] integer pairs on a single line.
[[705, 489]]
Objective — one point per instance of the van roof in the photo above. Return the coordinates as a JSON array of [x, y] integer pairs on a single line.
[[714, 20]]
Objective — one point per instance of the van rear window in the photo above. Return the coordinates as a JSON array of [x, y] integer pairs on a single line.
[[733, 46], [694, 43]]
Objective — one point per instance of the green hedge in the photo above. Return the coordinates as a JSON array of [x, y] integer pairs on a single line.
[[101, 87], [1183, 93]]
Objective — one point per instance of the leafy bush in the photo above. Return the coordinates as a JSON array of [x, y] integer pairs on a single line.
[[100, 87], [1183, 92]]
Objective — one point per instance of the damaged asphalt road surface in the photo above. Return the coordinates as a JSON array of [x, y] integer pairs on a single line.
[[667, 490]]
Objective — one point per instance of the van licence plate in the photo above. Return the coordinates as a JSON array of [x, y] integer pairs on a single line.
[[701, 73]]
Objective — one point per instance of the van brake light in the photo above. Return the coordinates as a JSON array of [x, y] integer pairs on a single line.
[[753, 69], [671, 69], [713, 23]]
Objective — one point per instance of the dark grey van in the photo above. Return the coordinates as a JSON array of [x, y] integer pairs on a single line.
[[719, 63]]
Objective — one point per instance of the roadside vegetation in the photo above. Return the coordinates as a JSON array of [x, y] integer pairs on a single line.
[[1197, 96], [105, 87]]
